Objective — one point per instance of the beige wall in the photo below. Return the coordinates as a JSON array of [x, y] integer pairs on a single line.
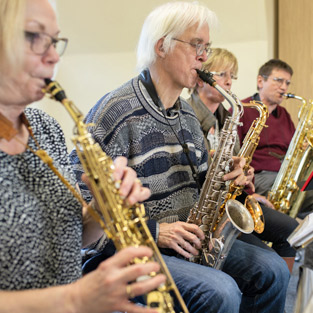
[[103, 37], [295, 33]]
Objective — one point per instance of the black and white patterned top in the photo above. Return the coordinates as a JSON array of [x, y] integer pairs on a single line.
[[40, 220]]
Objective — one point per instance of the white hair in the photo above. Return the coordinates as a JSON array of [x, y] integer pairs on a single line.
[[169, 21]]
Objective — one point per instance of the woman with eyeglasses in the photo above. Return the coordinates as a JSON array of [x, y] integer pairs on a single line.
[[42, 225], [207, 104], [206, 101]]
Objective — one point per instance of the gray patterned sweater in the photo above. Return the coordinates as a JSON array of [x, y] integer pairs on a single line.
[[128, 123]]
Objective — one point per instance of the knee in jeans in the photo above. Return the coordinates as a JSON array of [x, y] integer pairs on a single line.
[[279, 271], [225, 295]]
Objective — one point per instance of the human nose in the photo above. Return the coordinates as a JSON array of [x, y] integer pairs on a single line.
[[284, 85], [202, 57], [51, 55], [228, 80]]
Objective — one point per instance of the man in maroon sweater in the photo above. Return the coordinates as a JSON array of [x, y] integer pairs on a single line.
[[272, 82]]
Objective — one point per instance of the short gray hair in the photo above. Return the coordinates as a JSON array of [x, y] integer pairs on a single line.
[[169, 21]]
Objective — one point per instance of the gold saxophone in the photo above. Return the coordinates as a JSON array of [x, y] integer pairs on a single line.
[[247, 149], [297, 165], [220, 228], [125, 225]]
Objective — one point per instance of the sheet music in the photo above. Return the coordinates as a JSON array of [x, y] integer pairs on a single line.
[[303, 234]]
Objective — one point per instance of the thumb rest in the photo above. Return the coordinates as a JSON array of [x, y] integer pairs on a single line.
[[221, 225], [125, 225]]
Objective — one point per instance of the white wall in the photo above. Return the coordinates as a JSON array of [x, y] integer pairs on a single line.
[[103, 37]]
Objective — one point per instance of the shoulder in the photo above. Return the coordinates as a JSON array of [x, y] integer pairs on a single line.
[[247, 100], [249, 112], [46, 130], [282, 112], [201, 111], [40, 121], [118, 101], [186, 109], [256, 96]]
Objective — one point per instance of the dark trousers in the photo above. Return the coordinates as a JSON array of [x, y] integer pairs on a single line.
[[278, 226]]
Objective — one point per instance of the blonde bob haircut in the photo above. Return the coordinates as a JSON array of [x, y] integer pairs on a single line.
[[12, 14], [169, 21], [221, 60]]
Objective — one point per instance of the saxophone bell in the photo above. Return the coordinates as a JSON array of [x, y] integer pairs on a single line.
[[256, 212], [236, 219]]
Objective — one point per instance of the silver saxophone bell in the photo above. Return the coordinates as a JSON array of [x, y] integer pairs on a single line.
[[236, 219]]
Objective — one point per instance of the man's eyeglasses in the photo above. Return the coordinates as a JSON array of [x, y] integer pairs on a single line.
[[200, 47], [41, 42], [279, 81], [224, 75]]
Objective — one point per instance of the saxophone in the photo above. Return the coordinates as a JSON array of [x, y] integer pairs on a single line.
[[285, 194], [125, 225], [220, 227], [247, 149]]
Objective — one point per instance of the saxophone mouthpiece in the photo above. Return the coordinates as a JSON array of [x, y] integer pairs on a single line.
[[55, 90], [48, 81], [288, 95], [207, 77]]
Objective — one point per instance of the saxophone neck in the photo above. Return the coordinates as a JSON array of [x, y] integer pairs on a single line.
[[293, 96], [56, 92], [304, 103], [261, 107]]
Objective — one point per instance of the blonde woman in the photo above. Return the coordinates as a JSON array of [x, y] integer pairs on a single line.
[[41, 222], [206, 101]]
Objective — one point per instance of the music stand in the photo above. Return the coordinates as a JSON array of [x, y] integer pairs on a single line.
[[308, 185]]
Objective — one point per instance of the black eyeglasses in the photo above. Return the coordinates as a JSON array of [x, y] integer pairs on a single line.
[[279, 81], [200, 47], [41, 42]]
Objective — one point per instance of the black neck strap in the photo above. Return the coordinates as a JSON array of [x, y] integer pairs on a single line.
[[145, 78]]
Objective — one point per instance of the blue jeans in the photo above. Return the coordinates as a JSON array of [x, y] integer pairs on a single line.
[[203, 289], [257, 281]]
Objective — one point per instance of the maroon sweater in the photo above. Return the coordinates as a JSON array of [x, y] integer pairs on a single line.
[[274, 139]]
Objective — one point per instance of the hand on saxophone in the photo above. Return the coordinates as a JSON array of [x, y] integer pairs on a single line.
[[237, 174], [263, 200], [131, 187], [250, 177], [184, 238], [113, 283]]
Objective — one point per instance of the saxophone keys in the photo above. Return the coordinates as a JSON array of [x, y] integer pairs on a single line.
[[205, 220], [204, 228]]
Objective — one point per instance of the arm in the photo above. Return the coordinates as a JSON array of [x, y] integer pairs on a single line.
[[103, 290]]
